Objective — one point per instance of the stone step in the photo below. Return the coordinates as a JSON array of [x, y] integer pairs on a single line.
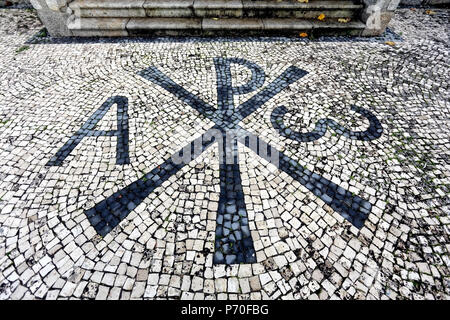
[[213, 8], [111, 27]]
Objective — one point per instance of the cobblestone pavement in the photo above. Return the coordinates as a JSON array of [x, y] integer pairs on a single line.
[[94, 205]]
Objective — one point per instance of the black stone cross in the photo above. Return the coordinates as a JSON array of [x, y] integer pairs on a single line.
[[234, 242]]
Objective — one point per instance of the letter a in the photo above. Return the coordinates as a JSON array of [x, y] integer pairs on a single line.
[[87, 130]]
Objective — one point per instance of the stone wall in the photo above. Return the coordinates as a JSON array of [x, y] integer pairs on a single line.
[[55, 14], [377, 14]]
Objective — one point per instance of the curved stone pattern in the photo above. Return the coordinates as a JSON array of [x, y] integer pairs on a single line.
[[88, 130], [353, 208], [108, 213], [225, 89], [233, 239], [164, 248], [233, 242], [373, 132]]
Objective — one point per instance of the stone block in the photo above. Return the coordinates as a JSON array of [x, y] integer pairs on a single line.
[[376, 15], [286, 24], [218, 8], [379, 27], [232, 24], [163, 24], [55, 15], [99, 24]]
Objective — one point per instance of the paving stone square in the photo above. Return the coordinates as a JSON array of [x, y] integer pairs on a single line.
[[225, 167]]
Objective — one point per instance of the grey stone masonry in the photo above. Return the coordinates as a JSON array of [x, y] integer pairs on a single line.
[[214, 17], [55, 14], [377, 14]]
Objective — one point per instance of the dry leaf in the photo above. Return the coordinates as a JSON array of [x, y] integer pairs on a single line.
[[215, 18], [430, 12], [390, 43], [303, 1], [321, 17], [344, 20], [303, 34]]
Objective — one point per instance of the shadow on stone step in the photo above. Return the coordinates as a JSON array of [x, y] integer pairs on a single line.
[[42, 37]]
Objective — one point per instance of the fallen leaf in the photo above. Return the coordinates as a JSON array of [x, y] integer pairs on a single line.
[[430, 12], [303, 34], [321, 17], [215, 18], [390, 43], [303, 1], [344, 20]]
